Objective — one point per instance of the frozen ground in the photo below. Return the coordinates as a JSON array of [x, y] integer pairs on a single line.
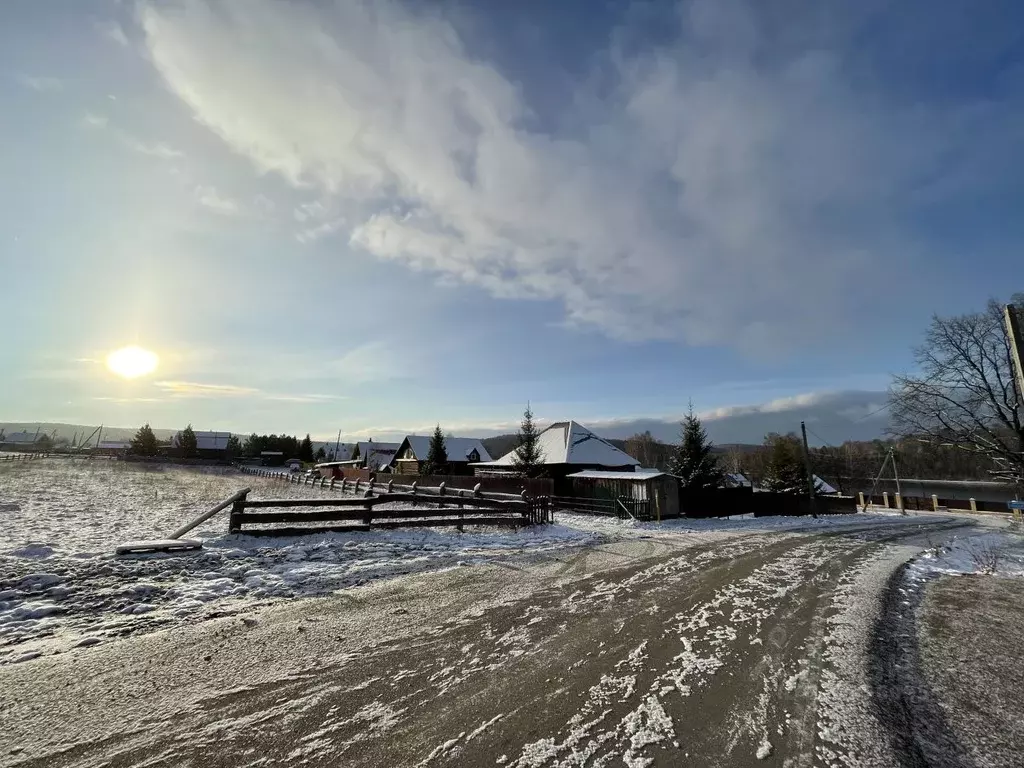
[[723, 643], [61, 586]]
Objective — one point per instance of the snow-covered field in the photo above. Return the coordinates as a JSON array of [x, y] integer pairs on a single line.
[[61, 585]]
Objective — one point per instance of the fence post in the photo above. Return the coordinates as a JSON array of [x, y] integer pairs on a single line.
[[860, 501], [476, 490], [935, 502], [235, 516], [391, 484], [332, 482], [885, 499], [899, 501], [415, 483], [440, 494], [974, 505], [358, 480]]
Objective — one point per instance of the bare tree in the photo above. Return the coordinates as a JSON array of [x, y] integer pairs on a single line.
[[644, 448], [965, 394]]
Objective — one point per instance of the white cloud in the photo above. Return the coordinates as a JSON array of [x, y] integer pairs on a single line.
[[191, 389], [94, 121], [156, 149], [112, 30], [41, 84], [722, 188], [208, 197]]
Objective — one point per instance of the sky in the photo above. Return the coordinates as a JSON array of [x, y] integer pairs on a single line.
[[378, 216]]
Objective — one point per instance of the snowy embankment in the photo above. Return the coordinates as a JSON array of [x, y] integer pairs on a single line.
[[994, 553], [60, 584]]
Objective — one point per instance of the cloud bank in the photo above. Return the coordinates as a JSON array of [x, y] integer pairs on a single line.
[[732, 185]]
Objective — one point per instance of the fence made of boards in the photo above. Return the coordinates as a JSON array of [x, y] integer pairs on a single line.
[[22, 456], [293, 517]]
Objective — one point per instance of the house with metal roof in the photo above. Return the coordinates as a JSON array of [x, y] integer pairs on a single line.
[[463, 452], [209, 445], [567, 447]]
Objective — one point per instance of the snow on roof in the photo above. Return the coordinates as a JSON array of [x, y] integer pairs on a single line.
[[569, 442], [22, 437], [820, 486], [739, 480], [374, 454], [457, 448], [602, 474], [114, 444], [206, 441]]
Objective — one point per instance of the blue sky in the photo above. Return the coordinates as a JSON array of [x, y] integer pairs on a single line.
[[375, 216]]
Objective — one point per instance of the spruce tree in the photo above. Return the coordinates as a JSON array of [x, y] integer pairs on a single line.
[[437, 455], [784, 470], [321, 454], [528, 459], [694, 463], [234, 447], [306, 449], [144, 443], [187, 443]]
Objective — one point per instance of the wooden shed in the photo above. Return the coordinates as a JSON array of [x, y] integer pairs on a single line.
[[643, 494]]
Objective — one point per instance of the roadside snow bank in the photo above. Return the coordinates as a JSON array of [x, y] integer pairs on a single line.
[[998, 553]]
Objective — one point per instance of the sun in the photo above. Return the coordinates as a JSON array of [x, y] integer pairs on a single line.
[[132, 362]]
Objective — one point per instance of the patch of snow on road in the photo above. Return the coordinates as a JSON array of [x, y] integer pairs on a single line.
[[647, 724]]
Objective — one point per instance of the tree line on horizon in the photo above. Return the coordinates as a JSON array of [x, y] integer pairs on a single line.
[[960, 417]]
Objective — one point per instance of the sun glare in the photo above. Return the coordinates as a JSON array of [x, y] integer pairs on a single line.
[[132, 362]]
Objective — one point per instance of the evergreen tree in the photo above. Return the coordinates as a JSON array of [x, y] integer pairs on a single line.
[[321, 454], [234, 447], [528, 459], [694, 463], [144, 443], [187, 443], [784, 470], [306, 449], [437, 455], [253, 445]]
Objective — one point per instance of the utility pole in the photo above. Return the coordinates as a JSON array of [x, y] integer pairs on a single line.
[[895, 472], [337, 447], [807, 467]]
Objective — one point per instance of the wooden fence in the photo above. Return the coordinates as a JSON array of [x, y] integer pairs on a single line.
[[621, 508], [362, 515], [22, 456], [936, 503], [385, 484], [542, 486]]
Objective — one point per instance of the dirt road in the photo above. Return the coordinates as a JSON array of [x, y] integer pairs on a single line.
[[745, 650]]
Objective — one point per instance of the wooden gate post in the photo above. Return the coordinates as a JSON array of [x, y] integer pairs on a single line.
[[235, 516]]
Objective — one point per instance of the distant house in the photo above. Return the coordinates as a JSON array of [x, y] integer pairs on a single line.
[[209, 445], [567, 447], [462, 453], [737, 480], [112, 448], [21, 439], [271, 458], [373, 456], [294, 464]]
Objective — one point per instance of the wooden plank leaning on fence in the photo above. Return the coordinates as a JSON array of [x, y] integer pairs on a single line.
[[174, 542]]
